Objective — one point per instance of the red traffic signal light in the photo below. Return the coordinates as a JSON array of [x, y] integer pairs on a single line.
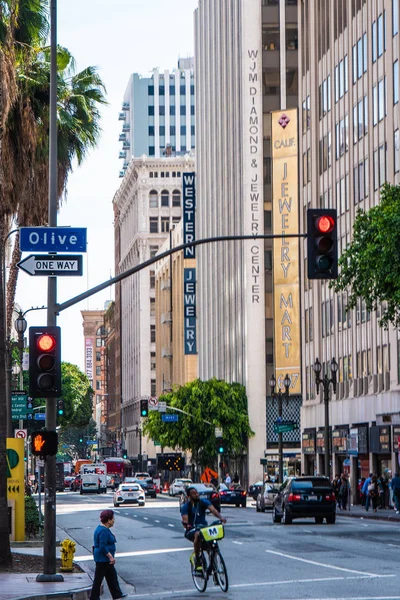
[[322, 254], [44, 362], [44, 443]]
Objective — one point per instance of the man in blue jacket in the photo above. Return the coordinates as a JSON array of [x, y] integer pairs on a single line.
[[365, 491], [395, 485]]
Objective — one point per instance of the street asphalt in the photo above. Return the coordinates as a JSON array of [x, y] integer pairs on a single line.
[[353, 559]]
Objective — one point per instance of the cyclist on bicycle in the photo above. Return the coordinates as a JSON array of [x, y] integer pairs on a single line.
[[194, 517]]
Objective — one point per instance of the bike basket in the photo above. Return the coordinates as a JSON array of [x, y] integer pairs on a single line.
[[213, 532]]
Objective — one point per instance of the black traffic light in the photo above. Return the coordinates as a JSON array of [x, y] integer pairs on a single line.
[[124, 453], [144, 408], [45, 362], [322, 250], [221, 446], [44, 443], [60, 407]]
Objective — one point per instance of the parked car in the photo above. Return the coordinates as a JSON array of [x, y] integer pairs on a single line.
[[75, 484], [207, 491], [234, 494], [130, 480], [178, 486], [149, 488], [129, 493], [265, 498], [305, 497], [68, 479], [255, 489]]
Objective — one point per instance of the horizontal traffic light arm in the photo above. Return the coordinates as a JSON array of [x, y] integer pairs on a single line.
[[121, 276]]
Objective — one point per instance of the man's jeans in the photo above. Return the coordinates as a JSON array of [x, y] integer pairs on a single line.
[[367, 501]]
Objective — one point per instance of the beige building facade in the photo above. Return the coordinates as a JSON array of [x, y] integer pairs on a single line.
[[349, 146]]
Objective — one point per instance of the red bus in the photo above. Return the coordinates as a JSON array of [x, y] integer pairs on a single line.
[[118, 468]]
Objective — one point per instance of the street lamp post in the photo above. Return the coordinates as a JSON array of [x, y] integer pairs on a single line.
[[326, 382], [280, 395], [138, 432]]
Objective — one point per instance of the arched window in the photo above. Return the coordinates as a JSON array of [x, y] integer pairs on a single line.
[[153, 199], [101, 330], [176, 198], [165, 198]]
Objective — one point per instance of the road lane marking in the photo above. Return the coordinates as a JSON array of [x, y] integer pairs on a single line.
[[157, 521], [146, 518], [395, 545], [139, 553], [318, 564], [235, 542], [175, 593], [170, 525]]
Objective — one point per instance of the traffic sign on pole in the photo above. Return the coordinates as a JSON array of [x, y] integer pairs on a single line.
[[162, 407], [48, 265], [40, 416], [169, 418], [153, 403], [52, 239]]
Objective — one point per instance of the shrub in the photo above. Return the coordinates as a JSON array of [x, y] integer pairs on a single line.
[[31, 517]]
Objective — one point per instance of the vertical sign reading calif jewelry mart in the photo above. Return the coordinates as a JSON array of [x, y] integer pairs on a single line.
[[285, 204]]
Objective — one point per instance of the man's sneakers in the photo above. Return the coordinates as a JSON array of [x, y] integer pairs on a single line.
[[196, 562]]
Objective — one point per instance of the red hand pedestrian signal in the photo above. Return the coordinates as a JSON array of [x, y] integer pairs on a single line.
[[44, 443]]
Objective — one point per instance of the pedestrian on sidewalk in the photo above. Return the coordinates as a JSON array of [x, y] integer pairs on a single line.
[[382, 491], [365, 491], [373, 492], [104, 555], [343, 492], [395, 484], [336, 488], [360, 491]]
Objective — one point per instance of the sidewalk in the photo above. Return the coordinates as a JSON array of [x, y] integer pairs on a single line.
[[76, 586], [358, 512]]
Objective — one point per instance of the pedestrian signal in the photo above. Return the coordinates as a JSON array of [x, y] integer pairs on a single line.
[[44, 443], [322, 251], [44, 362]]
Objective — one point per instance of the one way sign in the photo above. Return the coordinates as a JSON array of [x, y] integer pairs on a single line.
[[48, 265]]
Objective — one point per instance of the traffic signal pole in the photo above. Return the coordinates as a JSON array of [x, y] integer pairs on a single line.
[[49, 544]]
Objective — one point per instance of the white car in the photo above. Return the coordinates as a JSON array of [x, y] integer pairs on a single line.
[[129, 493], [178, 486]]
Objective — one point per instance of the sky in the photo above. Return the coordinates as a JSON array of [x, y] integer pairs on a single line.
[[119, 38]]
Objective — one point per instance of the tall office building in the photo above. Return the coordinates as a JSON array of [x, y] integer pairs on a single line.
[[349, 146], [146, 207], [158, 114], [246, 68]]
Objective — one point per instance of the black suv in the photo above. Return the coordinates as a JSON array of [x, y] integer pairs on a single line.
[[304, 497]]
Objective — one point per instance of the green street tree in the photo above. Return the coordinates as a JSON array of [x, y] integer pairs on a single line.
[[222, 404], [77, 395], [370, 265], [73, 440]]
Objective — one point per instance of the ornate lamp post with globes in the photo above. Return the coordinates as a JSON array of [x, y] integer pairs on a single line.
[[280, 395], [326, 382]]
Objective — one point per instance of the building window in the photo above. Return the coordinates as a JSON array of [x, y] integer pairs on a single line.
[[99, 342], [395, 82], [172, 110], [161, 90], [395, 15], [153, 251], [365, 53], [153, 361], [172, 90], [176, 198], [380, 35], [360, 62], [381, 99], [374, 42], [151, 90], [98, 371], [153, 199], [152, 334], [161, 110], [98, 356], [183, 129], [153, 388], [375, 104], [365, 115], [175, 220], [183, 109], [165, 198], [98, 385], [397, 151], [152, 280], [162, 130], [153, 224], [192, 109], [151, 151], [382, 165], [164, 224], [172, 130], [152, 306], [151, 111], [325, 97], [342, 136]]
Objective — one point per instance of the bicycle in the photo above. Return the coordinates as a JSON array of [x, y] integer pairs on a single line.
[[211, 559]]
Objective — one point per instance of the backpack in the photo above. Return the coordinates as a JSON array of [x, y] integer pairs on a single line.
[[190, 511]]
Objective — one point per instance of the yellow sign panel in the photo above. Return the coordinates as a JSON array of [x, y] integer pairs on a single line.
[[286, 251], [16, 484]]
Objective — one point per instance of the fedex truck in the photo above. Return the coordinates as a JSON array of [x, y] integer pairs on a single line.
[[93, 478]]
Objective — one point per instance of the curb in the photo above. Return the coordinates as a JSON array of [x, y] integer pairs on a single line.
[[390, 518], [82, 594]]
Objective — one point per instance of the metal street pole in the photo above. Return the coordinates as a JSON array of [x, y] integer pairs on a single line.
[[279, 394], [325, 381], [49, 544]]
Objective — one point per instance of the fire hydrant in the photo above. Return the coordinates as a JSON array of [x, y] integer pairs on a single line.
[[67, 555]]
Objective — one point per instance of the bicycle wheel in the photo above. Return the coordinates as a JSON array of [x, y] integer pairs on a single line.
[[200, 577], [220, 571]]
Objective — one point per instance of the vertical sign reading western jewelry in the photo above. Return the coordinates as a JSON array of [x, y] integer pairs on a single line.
[[286, 250], [189, 272], [189, 205]]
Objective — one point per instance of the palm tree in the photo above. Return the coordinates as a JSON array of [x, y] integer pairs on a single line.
[[24, 142]]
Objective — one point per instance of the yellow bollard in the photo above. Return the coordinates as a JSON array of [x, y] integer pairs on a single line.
[[67, 555]]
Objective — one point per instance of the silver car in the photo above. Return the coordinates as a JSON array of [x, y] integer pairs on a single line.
[[129, 493], [178, 486], [265, 498]]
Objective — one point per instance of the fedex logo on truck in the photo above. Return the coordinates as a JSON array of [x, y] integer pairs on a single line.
[[93, 470]]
